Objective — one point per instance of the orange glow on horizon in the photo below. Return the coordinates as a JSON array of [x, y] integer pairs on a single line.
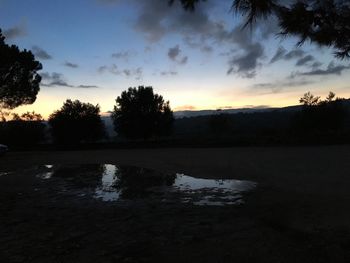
[[46, 104]]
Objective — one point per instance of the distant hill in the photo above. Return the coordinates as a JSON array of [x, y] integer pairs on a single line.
[[196, 121], [190, 113]]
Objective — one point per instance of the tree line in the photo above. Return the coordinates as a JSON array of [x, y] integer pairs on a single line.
[[141, 115]]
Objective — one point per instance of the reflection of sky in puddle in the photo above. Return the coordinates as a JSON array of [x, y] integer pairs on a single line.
[[47, 174], [212, 192], [110, 183], [107, 191]]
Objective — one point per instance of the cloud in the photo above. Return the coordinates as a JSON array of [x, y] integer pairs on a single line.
[[115, 70], [305, 60], [54, 79], [296, 53], [168, 73], [246, 64], [316, 65], [332, 69], [70, 65], [282, 54], [87, 86], [196, 28], [155, 19], [185, 107], [206, 49], [184, 60], [174, 54], [245, 58], [16, 31], [41, 53], [102, 69], [279, 86], [122, 55], [246, 61], [57, 80]]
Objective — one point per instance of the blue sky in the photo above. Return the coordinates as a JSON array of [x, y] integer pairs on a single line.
[[92, 50]]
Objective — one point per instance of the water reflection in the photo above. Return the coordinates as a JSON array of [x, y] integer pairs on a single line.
[[106, 191], [111, 183], [212, 192]]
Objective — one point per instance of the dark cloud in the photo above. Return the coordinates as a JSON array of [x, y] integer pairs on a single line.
[[296, 53], [87, 87], [174, 54], [102, 69], [122, 55], [332, 69], [184, 60], [57, 80], [71, 65], [246, 61], [196, 28], [155, 19], [115, 70], [246, 64], [305, 60], [316, 65], [168, 73], [54, 79], [280, 53], [16, 31], [279, 86], [41, 53], [206, 49]]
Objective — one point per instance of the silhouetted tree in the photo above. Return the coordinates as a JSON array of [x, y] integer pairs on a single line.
[[19, 80], [325, 23], [24, 130], [309, 99], [321, 115], [140, 113], [76, 122]]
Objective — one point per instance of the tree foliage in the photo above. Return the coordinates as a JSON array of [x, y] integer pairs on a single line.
[[309, 99], [325, 22], [19, 80], [26, 129], [321, 115], [76, 122], [140, 113]]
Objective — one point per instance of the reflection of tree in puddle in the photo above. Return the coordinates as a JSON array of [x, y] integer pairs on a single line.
[[133, 182], [79, 176]]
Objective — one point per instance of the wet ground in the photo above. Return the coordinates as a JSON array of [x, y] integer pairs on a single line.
[[118, 213]]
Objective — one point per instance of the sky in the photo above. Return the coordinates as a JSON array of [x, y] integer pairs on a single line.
[[92, 50]]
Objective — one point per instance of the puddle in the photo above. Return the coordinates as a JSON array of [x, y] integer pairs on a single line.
[[111, 183]]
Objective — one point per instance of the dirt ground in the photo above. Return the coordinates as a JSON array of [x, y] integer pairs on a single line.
[[299, 212]]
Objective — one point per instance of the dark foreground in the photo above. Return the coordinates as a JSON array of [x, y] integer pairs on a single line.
[[300, 211]]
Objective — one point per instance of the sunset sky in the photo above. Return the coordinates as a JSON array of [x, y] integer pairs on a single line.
[[92, 50]]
